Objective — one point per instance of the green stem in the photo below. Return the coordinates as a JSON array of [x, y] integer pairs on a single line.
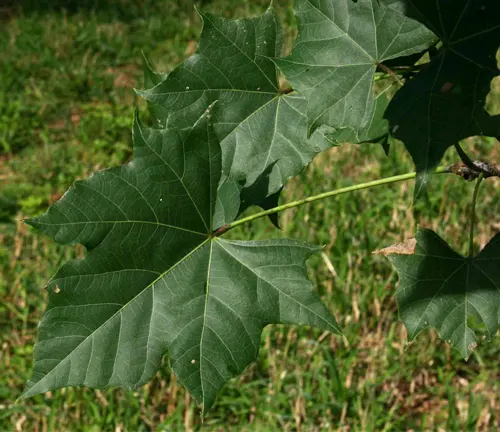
[[473, 215], [321, 196]]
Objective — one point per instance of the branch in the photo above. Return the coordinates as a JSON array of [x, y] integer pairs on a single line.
[[470, 169], [470, 174]]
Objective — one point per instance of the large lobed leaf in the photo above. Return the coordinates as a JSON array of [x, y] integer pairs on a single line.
[[155, 280], [440, 288], [263, 132], [337, 51], [445, 102]]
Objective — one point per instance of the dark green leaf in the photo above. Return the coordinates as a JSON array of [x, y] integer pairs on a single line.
[[440, 288], [258, 126], [445, 102], [339, 46], [155, 281]]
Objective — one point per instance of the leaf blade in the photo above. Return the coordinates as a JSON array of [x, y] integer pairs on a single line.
[[337, 51], [442, 289], [155, 281]]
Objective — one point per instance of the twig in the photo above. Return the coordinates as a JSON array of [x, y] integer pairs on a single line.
[[470, 174], [475, 167]]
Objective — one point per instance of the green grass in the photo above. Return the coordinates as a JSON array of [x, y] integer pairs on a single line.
[[66, 107]]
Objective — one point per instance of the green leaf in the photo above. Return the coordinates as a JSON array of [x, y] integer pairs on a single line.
[[262, 131], [440, 288], [339, 46], [377, 130], [155, 280], [445, 102]]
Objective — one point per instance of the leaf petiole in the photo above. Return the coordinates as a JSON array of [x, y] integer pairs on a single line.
[[324, 195], [473, 215]]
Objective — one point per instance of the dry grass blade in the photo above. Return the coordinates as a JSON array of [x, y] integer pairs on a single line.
[[406, 247]]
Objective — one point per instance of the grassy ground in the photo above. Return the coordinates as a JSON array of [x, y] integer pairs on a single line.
[[66, 106]]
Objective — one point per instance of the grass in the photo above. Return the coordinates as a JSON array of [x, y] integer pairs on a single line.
[[66, 107]]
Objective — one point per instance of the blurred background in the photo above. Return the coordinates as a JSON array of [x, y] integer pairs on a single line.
[[67, 73]]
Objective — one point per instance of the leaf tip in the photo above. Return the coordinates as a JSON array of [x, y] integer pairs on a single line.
[[140, 92], [200, 13], [27, 393], [147, 94], [29, 221], [32, 222], [137, 124], [270, 8]]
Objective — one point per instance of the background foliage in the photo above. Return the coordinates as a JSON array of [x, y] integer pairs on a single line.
[[66, 107]]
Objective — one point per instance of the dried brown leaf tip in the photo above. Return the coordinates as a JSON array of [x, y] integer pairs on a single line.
[[404, 248]]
